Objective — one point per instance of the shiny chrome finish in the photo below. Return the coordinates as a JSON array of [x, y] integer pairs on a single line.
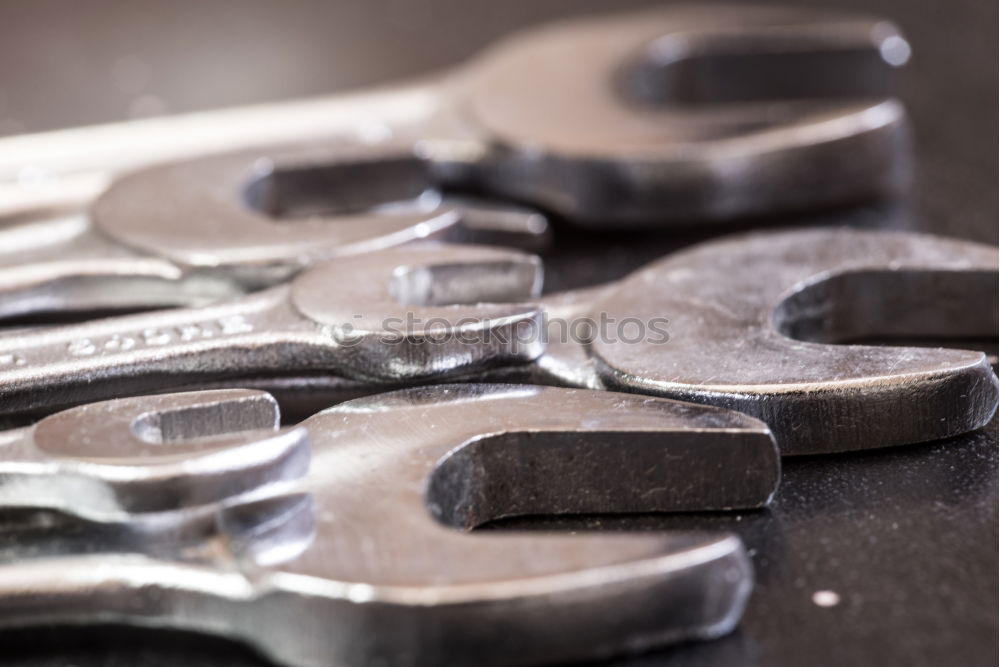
[[149, 459], [754, 319], [314, 324], [204, 243], [362, 560], [697, 113], [738, 311], [773, 325]]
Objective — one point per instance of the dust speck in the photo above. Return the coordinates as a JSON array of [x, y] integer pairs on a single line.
[[826, 599]]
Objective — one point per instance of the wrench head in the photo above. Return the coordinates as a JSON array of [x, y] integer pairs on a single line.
[[259, 212], [164, 453], [740, 308], [394, 475], [423, 311], [365, 559], [692, 113]]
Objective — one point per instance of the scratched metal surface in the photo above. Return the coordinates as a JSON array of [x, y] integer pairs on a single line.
[[907, 538]]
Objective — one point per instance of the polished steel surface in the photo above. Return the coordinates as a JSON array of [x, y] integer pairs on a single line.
[[753, 324], [361, 559], [753, 321], [716, 113], [153, 457], [315, 323], [205, 239]]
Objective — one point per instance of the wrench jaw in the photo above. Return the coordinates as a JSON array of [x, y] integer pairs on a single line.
[[471, 485], [826, 165], [225, 211], [727, 301], [286, 207], [394, 467], [644, 135], [424, 312], [828, 418], [195, 232], [152, 462]]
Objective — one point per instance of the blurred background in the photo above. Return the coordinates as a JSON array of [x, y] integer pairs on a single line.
[[65, 63]]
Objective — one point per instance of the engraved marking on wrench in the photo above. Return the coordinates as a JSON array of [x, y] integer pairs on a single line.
[[156, 337], [12, 360]]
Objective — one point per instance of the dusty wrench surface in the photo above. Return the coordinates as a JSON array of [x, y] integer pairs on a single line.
[[358, 560]]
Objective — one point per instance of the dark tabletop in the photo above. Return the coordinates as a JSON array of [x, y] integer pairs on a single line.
[[906, 537]]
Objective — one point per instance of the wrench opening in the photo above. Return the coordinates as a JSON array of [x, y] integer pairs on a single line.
[[252, 413], [303, 190], [765, 63], [930, 308]]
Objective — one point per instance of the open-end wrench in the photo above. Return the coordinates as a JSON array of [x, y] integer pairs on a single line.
[[358, 561], [752, 320], [753, 323], [298, 327], [152, 462], [735, 311], [675, 113], [678, 114], [206, 235], [774, 325]]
